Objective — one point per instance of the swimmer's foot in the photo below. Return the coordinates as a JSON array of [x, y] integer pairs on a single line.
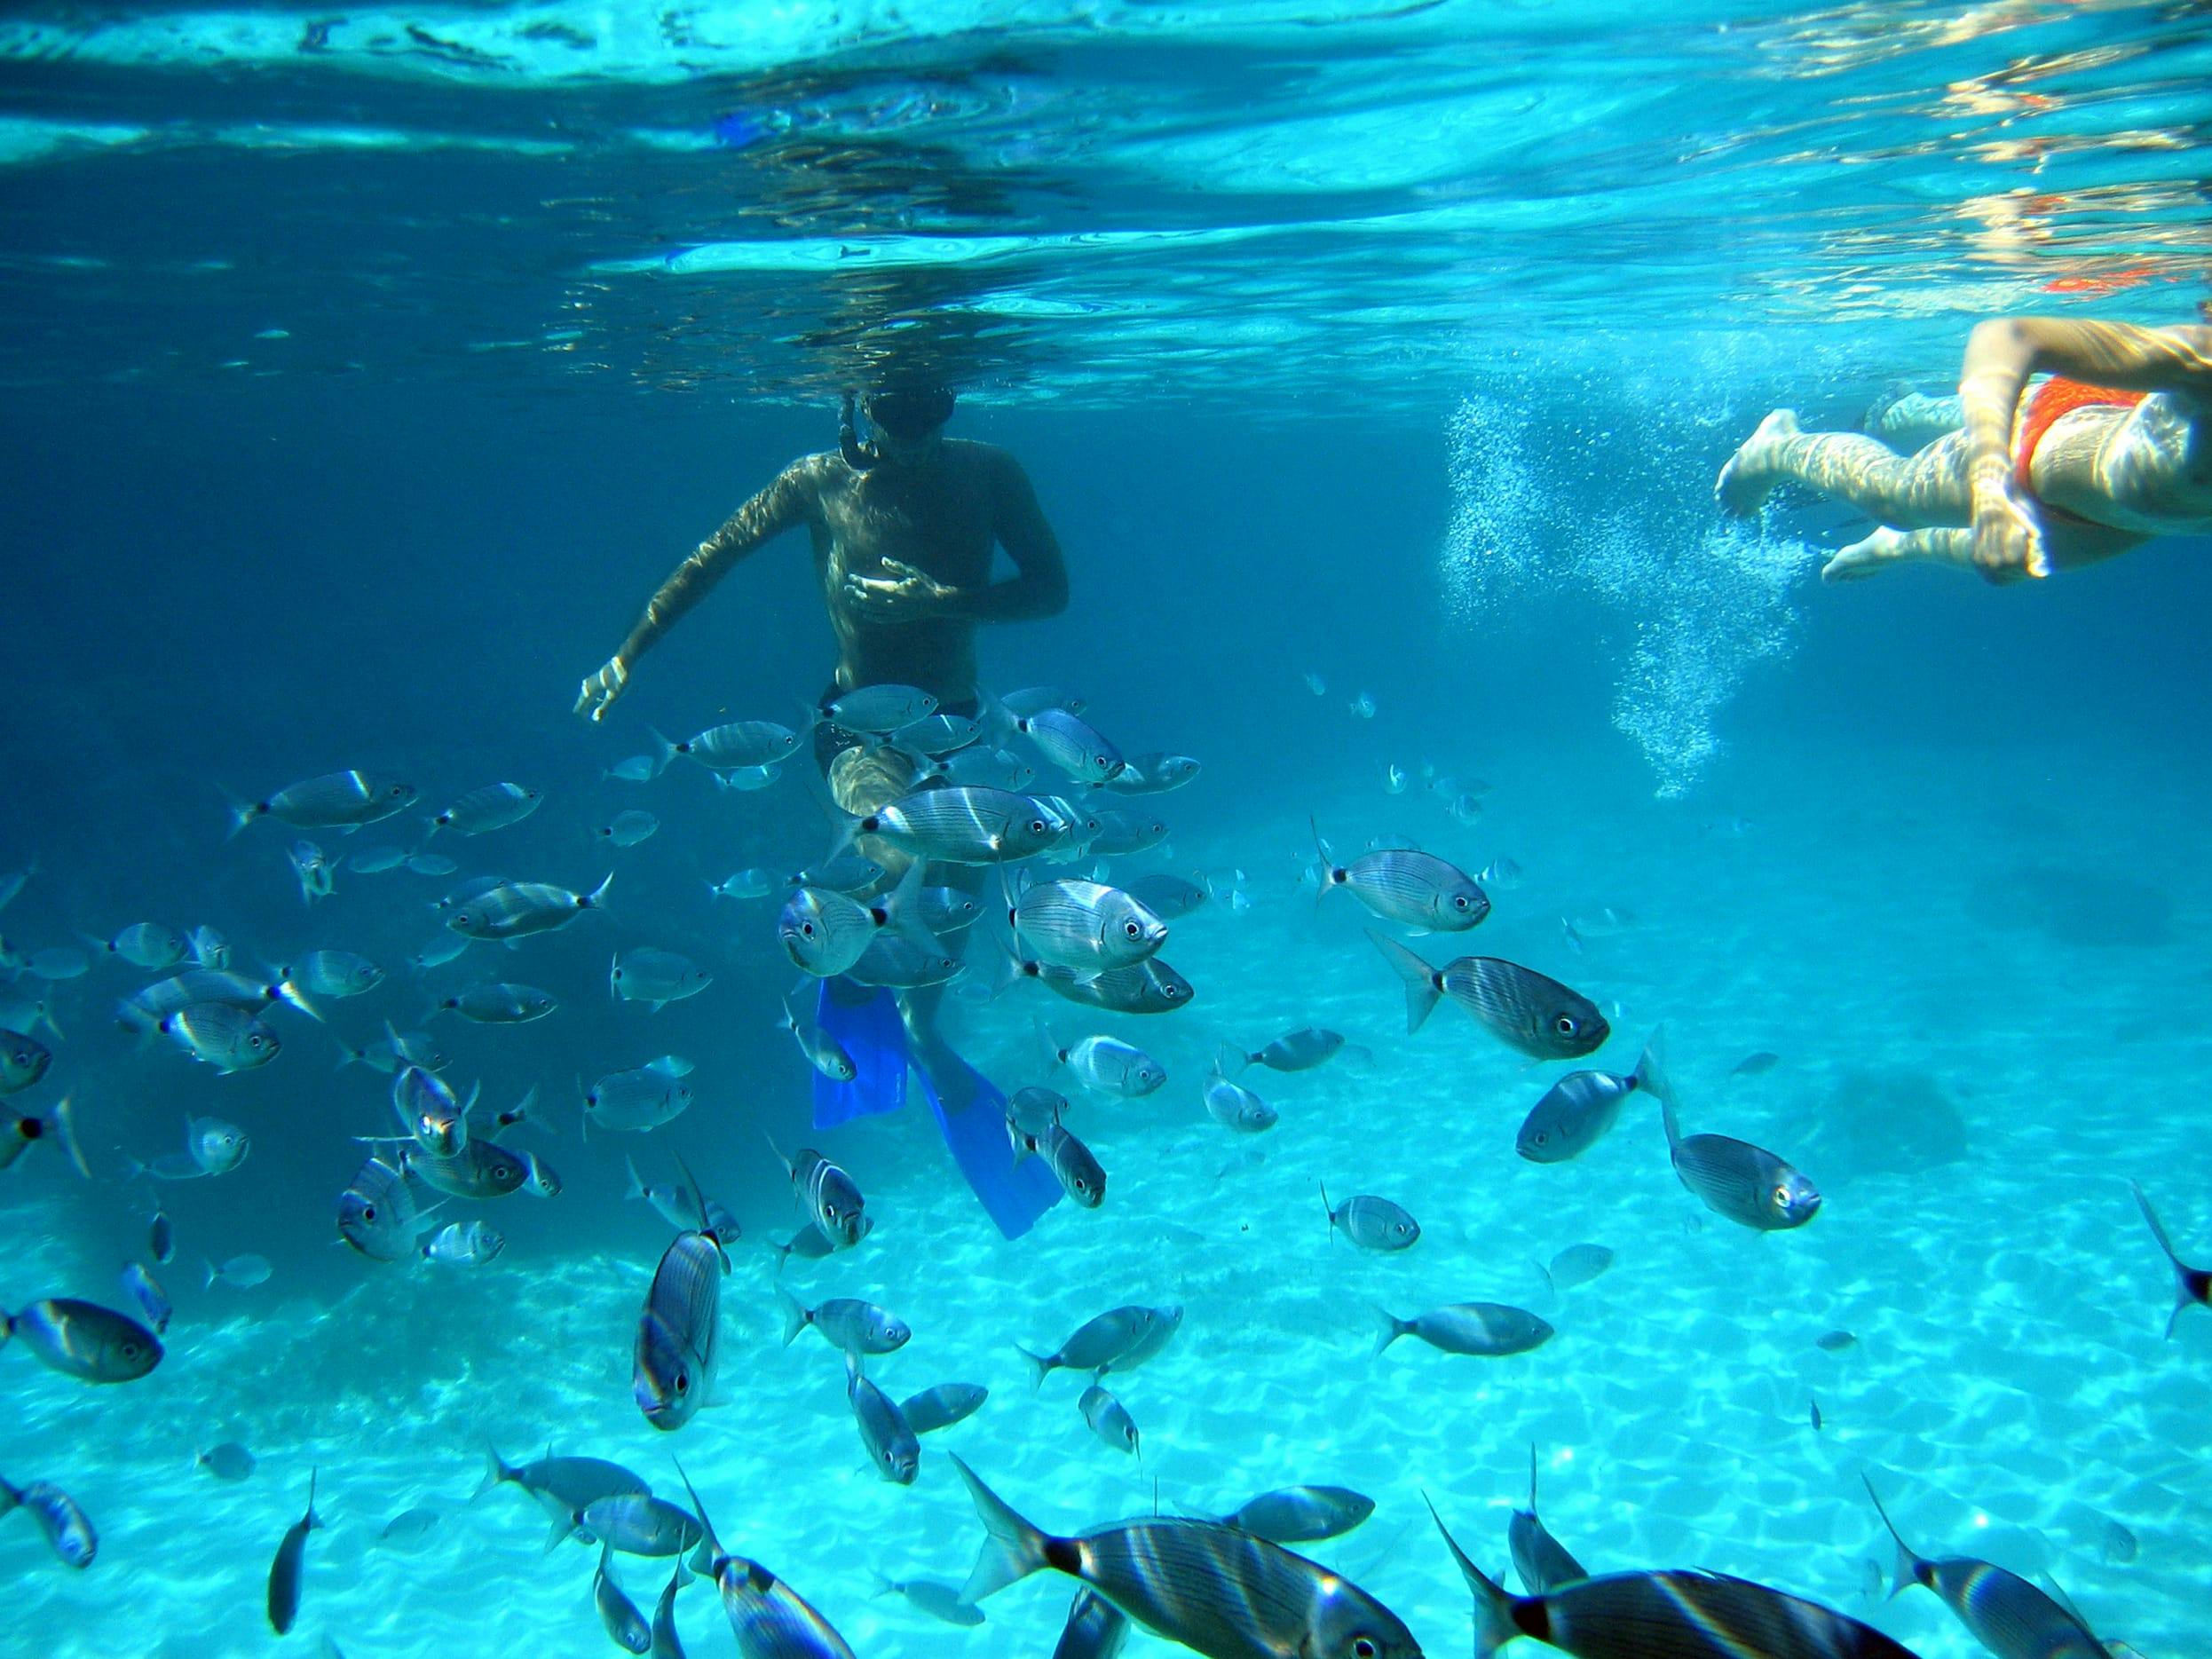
[[1750, 476], [1886, 547]]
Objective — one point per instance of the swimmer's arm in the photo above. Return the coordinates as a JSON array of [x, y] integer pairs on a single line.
[[1040, 586], [786, 503]]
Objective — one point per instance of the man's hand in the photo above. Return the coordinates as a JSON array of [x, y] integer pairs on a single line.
[[2007, 542], [901, 594], [600, 689]]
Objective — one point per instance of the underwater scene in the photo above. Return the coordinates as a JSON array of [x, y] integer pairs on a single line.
[[1297, 829]]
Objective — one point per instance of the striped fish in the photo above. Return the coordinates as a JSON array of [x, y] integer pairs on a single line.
[[964, 823], [1681, 1615], [884, 1432], [1746, 1183], [830, 1196], [1399, 884], [1540, 1559], [1520, 1007], [2001, 1610], [679, 1332], [1147, 987], [1085, 925], [770, 1619], [1216, 1589]]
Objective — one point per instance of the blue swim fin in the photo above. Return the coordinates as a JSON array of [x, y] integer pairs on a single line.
[[971, 1112], [864, 1021]]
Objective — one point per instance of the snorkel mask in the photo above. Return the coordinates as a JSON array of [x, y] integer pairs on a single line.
[[905, 415]]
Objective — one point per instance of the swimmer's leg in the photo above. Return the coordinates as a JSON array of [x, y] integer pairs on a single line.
[[1927, 489], [1885, 548], [1908, 421]]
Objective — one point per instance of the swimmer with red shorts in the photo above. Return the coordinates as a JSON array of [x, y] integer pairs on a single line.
[[2112, 451]]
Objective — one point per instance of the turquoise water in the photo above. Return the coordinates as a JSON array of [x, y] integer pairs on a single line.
[[368, 372]]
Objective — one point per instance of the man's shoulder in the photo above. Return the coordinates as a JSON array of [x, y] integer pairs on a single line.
[[990, 460]]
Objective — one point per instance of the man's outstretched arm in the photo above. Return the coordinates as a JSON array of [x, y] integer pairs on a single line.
[[785, 502]]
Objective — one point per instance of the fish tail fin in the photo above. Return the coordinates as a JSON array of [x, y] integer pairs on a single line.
[[790, 1169], [1651, 1069], [1038, 1364], [495, 1470], [597, 899], [1327, 1208], [1673, 1124], [1494, 1622], [1015, 1549], [1421, 981], [64, 1130], [1024, 1146], [311, 1521], [1389, 1328], [1532, 1477], [795, 1315], [636, 1187], [664, 751], [1054, 1056], [2183, 1298], [243, 812], [1545, 1273], [713, 1543], [282, 989], [209, 1266], [1906, 1572]]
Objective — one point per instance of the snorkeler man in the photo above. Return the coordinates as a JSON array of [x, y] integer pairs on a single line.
[[903, 531], [2113, 450]]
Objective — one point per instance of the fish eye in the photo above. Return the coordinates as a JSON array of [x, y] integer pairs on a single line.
[[1543, 1136], [396, 791], [1781, 1198], [1363, 1647], [368, 1212], [1037, 826], [253, 1042], [684, 1382], [129, 1350], [1459, 901], [1564, 1025]]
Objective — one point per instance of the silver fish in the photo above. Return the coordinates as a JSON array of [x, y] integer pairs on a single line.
[[1371, 1223], [637, 1523], [1540, 1559], [1234, 1107], [846, 873], [638, 1099], [676, 1205], [151, 1300], [375, 860], [1302, 1514], [655, 978], [2001, 1610], [618, 1613], [333, 801], [68, 1530], [1152, 774], [939, 1602], [1746, 1183], [1300, 1050], [240, 1273], [463, 1245], [939, 734], [738, 744], [196, 986], [1095, 1628], [988, 768], [903, 961], [829, 1195], [1147, 987], [1096, 1343], [23, 1061], [1109, 1419], [1522, 1008], [316, 872], [880, 708], [626, 829], [748, 883], [495, 806], [1220, 1591], [217, 1034], [1416, 890], [1167, 896], [1110, 1066], [964, 823], [823, 1052], [431, 864], [11, 882], [942, 1406], [563, 1488], [395, 1052], [1577, 1264], [844, 1322], [1033, 699], [770, 1619], [1033, 1108], [427, 1109], [60, 961], [1120, 834], [1485, 1329], [884, 1434], [83, 1339], [637, 769], [1081, 1176], [147, 944], [498, 1003], [332, 973], [378, 1215], [824, 932], [1578, 1111], [666, 1643], [1084, 924], [1071, 744], [229, 1461], [1687, 1615], [161, 1239], [679, 1332], [519, 909], [408, 1530]]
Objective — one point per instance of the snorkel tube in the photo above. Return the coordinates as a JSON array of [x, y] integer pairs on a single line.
[[860, 456]]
